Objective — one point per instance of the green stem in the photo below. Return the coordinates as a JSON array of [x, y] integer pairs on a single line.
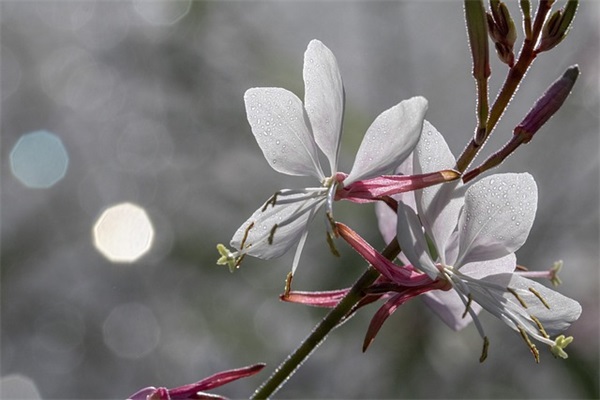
[[513, 79], [287, 368]]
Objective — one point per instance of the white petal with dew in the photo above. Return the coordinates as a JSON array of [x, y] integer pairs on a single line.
[[448, 305], [412, 241], [386, 217], [439, 205], [292, 220], [324, 99], [497, 217], [278, 122], [556, 315], [389, 140]]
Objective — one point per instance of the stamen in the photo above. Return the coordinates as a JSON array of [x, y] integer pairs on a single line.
[[331, 244], [246, 235], [556, 267], [540, 326], [332, 224], [288, 285], [484, 351], [273, 229], [272, 200], [283, 196], [514, 293], [534, 350], [539, 296], [469, 301], [239, 261]]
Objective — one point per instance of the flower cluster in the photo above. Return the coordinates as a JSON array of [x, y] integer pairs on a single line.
[[457, 239], [452, 233], [290, 133]]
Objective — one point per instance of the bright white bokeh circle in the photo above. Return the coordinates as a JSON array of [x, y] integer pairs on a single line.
[[123, 233]]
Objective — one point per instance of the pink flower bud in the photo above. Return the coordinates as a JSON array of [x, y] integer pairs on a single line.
[[547, 105]]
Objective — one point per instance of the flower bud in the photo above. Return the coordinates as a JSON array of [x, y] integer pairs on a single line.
[[557, 26], [547, 105], [502, 31], [476, 28], [526, 11], [544, 108]]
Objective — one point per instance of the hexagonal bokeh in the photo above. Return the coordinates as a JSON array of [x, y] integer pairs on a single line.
[[39, 159], [123, 233]]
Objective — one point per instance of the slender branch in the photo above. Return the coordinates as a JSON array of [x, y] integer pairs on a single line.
[[287, 368], [513, 79]]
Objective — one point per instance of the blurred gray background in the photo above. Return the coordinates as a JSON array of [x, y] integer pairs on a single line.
[[146, 99]]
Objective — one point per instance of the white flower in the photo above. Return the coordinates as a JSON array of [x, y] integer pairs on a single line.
[[290, 133], [474, 236]]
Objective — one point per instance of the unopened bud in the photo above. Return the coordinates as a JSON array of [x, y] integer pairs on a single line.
[[547, 105], [544, 108], [502, 31], [477, 30], [557, 26], [526, 11]]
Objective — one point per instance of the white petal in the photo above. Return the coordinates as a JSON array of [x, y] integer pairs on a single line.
[[481, 269], [387, 221], [556, 315], [292, 220], [448, 305], [563, 310], [450, 308], [412, 241], [278, 123], [438, 206], [389, 140], [497, 217], [324, 99], [406, 168]]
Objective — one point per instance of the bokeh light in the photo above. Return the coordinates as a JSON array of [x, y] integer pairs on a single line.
[[123, 233], [131, 330], [162, 12], [17, 386], [147, 99], [39, 159]]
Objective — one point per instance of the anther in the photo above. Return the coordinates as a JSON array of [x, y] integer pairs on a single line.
[[272, 234], [246, 235], [514, 293], [331, 244], [539, 296], [239, 261], [271, 201], [539, 326], [534, 350], [469, 301], [484, 351], [332, 223], [288, 285]]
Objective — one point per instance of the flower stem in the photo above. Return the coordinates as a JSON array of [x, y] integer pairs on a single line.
[[287, 368], [513, 79]]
